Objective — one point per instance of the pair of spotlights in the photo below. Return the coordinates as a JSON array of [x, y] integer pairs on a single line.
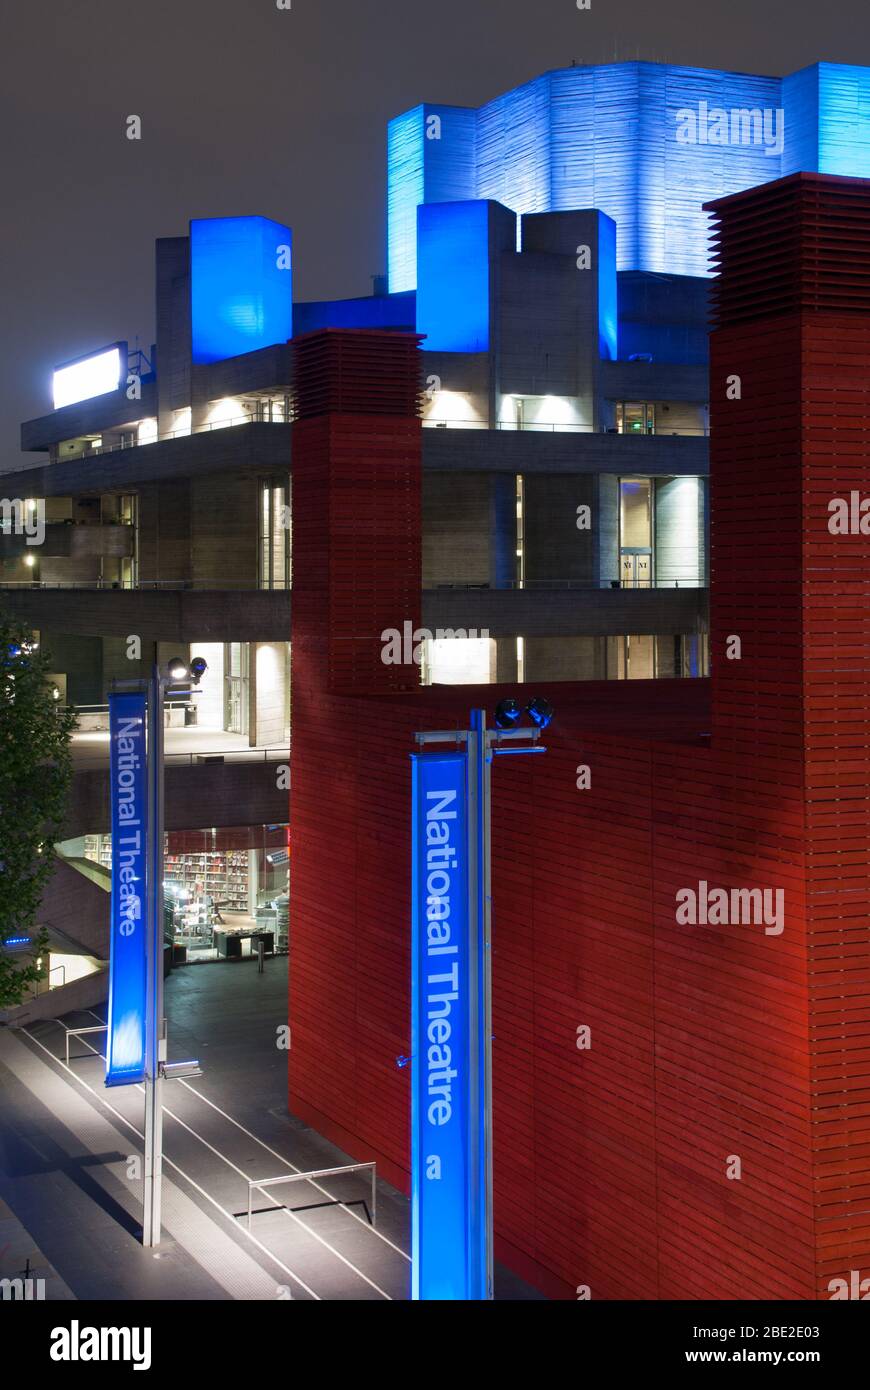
[[509, 713], [180, 671]]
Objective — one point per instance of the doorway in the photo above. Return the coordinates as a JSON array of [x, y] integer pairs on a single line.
[[237, 687], [636, 533]]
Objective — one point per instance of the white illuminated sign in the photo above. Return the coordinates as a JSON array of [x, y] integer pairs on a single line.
[[93, 376]]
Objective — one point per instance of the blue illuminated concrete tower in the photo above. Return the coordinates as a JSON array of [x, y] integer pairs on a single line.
[[483, 308], [241, 286], [607, 137]]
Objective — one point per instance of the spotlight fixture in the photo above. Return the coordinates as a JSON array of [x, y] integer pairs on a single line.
[[540, 711], [177, 668], [198, 667], [507, 714]]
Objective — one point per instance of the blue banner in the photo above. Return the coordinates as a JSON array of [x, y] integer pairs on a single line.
[[448, 1239], [125, 1056]]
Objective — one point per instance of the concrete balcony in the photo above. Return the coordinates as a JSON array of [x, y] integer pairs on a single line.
[[212, 779], [566, 612], [570, 451], [162, 614], [110, 411], [190, 615], [243, 449]]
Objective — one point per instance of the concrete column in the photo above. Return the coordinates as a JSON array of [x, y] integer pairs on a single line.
[[679, 536], [506, 660], [267, 687]]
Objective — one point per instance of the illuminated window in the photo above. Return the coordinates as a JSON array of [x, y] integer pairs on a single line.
[[460, 661], [635, 417], [90, 376], [275, 536], [521, 555]]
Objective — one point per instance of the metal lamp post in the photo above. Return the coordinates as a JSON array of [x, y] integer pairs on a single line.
[[155, 1024]]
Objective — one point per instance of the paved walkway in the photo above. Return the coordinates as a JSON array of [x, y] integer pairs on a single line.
[[70, 1152], [21, 1259]]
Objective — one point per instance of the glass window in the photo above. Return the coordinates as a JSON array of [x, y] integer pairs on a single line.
[[275, 536], [635, 417]]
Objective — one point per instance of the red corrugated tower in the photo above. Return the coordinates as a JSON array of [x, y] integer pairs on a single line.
[[792, 716], [714, 1139]]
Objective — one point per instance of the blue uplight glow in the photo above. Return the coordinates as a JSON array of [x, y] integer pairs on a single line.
[[606, 137], [453, 303], [241, 286]]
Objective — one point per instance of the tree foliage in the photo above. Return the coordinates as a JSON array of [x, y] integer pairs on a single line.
[[35, 775]]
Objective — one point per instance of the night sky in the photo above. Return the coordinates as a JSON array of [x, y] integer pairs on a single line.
[[250, 109]]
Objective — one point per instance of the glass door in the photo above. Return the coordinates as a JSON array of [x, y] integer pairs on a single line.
[[636, 570], [636, 417], [236, 688], [636, 533]]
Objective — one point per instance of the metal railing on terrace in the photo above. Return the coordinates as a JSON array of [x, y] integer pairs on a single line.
[[163, 585], [551, 585], [552, 427], [92, 757], [201, 586], [135, 443]]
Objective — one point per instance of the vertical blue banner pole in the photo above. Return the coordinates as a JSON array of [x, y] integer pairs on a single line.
[[125, 1051], [154, 1012], [452, 1255], [482, 768], [446, 1076]]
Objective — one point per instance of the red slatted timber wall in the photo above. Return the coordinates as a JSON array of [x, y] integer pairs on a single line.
[[707, 1042]]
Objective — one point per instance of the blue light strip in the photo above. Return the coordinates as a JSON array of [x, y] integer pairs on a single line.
[[125, 1053]]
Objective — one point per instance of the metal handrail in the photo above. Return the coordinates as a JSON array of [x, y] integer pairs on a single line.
[[174, 702], [557, 585], [250, 755], [188, 759], [573, 427], [175, 434], [141, 586], [260, 1183], [80, 1032]]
